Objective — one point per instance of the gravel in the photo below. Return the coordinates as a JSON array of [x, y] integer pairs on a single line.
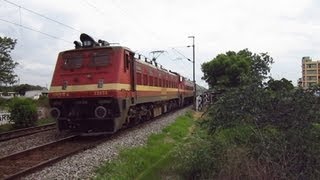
[[83, 165], [26, 142]]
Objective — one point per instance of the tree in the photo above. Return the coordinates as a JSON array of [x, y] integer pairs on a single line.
[[234, 69], [280, 85], [22, 88], [7, 75]]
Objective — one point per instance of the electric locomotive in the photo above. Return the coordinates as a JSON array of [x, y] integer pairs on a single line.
[[98, 88]]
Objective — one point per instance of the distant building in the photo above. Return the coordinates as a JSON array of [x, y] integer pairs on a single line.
[[8, 95], [35, 94], [310, 72]]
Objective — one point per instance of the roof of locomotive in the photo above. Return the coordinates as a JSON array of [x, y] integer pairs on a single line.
[[99, 47], [88, 43], [145, 62]]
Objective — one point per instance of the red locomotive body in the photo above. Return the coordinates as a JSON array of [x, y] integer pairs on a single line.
[[97, 88]]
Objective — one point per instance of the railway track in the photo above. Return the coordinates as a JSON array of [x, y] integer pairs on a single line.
[[31, 160], [24, 162], [26, 131]]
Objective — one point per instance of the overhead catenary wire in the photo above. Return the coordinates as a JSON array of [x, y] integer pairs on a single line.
[[141, 24], [124, 14], [41, 15], [93, 6], [174, 55], [43, 33], [65, 25], [181, 54]]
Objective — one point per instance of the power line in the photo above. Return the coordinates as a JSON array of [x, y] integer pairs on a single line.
[[181, 54], [25, 27], [41, 15], [124, 14], [93, 6]]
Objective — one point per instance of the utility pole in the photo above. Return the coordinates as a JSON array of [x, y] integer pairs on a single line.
[[194, 73]]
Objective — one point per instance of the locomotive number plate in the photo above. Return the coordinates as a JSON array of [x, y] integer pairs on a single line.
[[100, 93], [60, 94]]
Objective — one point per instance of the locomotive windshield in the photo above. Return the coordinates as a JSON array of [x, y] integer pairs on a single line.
[[94, 59], [73, 62], [99, 60]]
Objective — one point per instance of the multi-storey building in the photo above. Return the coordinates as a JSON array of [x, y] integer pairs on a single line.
[[310, 72]]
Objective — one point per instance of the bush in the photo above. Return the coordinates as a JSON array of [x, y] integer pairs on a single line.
[[194, 158], [215, 157], [4, 103], [23, 112], [285, 142], [257, 133], [43, 101]]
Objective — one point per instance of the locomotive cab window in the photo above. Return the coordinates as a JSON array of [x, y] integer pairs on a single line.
[[73, 62], [99, 60]]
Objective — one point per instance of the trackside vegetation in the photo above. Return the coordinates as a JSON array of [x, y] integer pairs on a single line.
[[149, 161], [256, 133], [257, 128], [24, 113]]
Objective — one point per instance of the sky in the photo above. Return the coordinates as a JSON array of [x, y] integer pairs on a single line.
[[286, 29]]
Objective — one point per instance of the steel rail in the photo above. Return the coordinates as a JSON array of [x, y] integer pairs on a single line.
[[26, 131], [19, 164]]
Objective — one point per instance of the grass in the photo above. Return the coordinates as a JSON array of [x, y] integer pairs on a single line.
[[149, 161], [45, 121], [6, 128]]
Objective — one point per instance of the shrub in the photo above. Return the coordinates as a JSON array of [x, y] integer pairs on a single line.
[[23, 112], [4, 103], [196, 159], [43, 101], [285, 142], [255, 132], [215, 157]]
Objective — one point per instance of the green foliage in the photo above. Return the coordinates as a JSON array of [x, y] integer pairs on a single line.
[[7, 65], [255, 105], [45, 121], [280, 85], [144, 162], [255, 130], [23, 112], [43, 101], [234, 69], [6, 128], [4, 103], [280, 140], [210, 157], [193, 158], [22, 88]]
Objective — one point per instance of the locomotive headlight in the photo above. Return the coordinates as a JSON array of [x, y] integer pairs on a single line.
[[87, 43], [100, 112], [55, 113]]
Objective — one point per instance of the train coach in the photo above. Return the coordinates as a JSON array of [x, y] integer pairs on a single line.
[[98, 89]]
